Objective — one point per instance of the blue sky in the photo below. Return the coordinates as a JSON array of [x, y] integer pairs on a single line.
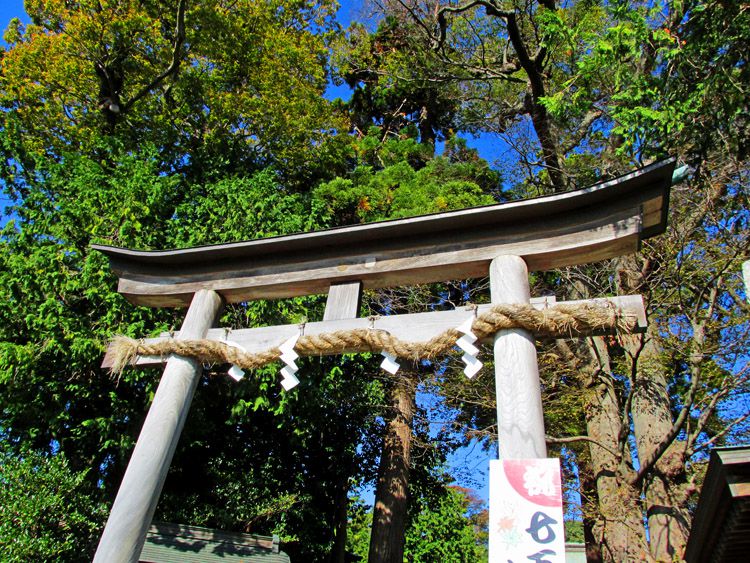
[[10, 9]]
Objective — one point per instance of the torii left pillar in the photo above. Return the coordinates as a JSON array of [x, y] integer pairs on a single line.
[[133, 509]]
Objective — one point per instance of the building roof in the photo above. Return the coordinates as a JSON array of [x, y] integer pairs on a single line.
[[721, 526], [178, 543]]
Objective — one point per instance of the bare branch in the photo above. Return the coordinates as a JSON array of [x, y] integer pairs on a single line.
[[695, 360], [488, 5], [724, 431], [415, 17], [574, 439], [738, 378], [581, 130]]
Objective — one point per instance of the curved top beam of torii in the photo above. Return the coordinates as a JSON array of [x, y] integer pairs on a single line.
[[595, 223]]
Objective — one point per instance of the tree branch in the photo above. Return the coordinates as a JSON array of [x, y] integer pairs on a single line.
[[442, 23], [726, 429], [709, 410], [574, 439], [174, 66], [695, 359], [538, 113], [581, 130]]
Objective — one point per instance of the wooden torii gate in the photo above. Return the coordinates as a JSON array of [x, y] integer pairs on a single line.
[[505, 240]]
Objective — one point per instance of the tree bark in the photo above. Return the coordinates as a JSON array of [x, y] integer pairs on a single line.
[[663, 486], [619, 527], [338, 553], [616, 521], [391, 502], [590, 498], [540, 118], [668, 521], [541, 121]]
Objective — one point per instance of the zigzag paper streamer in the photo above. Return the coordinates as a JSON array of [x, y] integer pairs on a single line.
[[466, 343], [473, 365], [289, 380], [288, 355], [235, 372], [389, 364]]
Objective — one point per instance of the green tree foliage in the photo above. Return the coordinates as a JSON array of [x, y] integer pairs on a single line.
[[251, 457], [388, 90], [389, 185], [167, 124], [444, 527], [218, 87], [441, 531], [149, 126], [254, 206], [45, 514], [58, 304], [392, 180], [358, 531], [264, 461]]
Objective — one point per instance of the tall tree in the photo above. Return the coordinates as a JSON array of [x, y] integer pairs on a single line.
[[372, 65], [200, 97], [44, 516]]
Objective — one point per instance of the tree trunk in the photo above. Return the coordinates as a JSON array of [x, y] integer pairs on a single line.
[[668, 521], [619, 527], [548, 141], [663, 487], [389, 517], [589, 499], [617, 522], [338, 553]]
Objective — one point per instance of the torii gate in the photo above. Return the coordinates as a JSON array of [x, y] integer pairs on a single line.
[[505, 240]]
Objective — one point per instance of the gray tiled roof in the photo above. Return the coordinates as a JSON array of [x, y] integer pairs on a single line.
[[176, 543]]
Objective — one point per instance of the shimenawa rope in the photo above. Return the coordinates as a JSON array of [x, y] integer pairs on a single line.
[[556, 321]]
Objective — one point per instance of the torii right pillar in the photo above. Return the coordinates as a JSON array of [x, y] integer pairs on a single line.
[[520, 422], [526, 516]]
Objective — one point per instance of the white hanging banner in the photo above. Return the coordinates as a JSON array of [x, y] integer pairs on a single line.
[[526, 514]]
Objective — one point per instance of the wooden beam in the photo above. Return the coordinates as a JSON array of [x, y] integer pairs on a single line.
[[134, 506], [416, 327], [599, 222], [344, 300]]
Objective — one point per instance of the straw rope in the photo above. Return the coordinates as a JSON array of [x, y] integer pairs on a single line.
[[556, 321]]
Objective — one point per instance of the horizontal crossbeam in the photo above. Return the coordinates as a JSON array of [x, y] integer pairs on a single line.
[[416, 327]]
